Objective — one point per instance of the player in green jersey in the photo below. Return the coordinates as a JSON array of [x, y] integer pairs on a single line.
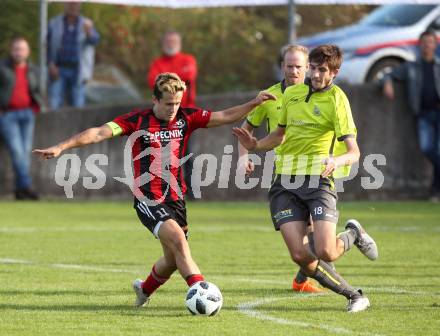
[[313, 117], [294, 66]]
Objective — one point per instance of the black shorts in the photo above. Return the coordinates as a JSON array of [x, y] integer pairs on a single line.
[[152, 217], [301, 202]]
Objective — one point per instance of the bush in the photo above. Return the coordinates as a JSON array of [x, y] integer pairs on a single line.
[[236, 48]]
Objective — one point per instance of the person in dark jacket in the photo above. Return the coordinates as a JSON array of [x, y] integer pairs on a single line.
[[19, 98], [422, 80]]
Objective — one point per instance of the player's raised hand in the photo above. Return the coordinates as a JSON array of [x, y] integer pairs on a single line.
[[246, 139], [263, 96], [250, 167], [246, 165], [330, 166], [48, 153]]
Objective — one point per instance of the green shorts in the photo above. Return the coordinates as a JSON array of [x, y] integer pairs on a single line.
[[296, 198]]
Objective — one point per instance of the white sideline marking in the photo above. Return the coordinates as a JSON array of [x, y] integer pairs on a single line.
[[116, 270], [91, 268], [14, 261], [248, 308], [212, 229], [391, 290], [66, 266], [75, 229]]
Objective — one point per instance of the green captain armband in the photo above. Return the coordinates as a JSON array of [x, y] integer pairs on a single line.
[[116, 129]]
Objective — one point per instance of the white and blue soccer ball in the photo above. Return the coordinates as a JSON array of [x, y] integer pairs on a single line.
[[204, 298]]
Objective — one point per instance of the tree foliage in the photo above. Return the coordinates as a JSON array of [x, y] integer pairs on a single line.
[[236, 48]]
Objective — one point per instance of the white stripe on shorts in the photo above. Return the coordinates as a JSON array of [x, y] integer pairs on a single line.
[[143, 209], [148, 209], [156, 229]]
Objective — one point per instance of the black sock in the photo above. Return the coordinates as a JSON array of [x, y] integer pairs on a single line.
[[300, 277], [348, 237], [328, 278]]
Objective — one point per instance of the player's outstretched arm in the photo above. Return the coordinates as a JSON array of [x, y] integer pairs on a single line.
[[238, 112], [347, 159], [251, 143], [89, 136]]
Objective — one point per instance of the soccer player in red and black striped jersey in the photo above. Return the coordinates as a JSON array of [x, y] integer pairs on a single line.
[[159, 136]]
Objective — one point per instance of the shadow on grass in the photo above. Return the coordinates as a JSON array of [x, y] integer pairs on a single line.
[[156, 311], [414, 275], [230, 291], [257, 291], [61, 292], [302, 308], [386, 266]]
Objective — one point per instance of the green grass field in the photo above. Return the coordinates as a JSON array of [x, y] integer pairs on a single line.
[[66, 269]]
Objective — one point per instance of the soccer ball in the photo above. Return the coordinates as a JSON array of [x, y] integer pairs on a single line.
[[204, 298]]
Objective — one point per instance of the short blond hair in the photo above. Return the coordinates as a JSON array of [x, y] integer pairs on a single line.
[[168, 82], [294, 48]]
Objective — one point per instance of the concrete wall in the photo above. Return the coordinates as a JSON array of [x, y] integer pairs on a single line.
[[384, 128]]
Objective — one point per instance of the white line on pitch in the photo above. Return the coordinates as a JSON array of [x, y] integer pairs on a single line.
[[212, 229], [75, 229], [248, 308], [391, 290], [15, 261], [66, 266], [113, 270], [209, 229]]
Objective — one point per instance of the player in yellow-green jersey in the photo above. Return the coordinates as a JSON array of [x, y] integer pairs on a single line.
[[294, 66], [313, 116]]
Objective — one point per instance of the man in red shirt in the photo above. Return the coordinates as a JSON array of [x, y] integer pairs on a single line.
[[173, 60], [19, 96], [159, 136], [185, 66]]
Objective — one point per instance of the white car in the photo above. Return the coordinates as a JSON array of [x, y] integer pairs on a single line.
[[385, 38]]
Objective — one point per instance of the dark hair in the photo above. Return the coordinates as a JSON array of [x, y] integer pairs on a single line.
[[428, 32], [327, 53]]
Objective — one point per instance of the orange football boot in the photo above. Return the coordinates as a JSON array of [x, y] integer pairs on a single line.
[[306, 287]]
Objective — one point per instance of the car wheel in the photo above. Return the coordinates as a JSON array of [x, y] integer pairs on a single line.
[[382, 68]]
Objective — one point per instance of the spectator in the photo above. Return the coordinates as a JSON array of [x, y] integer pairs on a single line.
[[173, 60], [185, 66], [71, 56], [422, 79], [19, 96]]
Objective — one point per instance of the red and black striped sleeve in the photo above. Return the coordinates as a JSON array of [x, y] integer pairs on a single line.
[[129, 122], [197, 117]]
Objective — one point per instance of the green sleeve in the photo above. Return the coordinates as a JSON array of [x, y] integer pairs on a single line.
[[116, 129], [257, 115], [343, 122]]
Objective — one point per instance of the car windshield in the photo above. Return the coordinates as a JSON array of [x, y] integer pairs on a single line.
[[396, 15]]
